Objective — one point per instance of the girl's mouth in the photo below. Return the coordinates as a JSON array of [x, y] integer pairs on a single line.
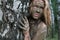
[[36, 14]]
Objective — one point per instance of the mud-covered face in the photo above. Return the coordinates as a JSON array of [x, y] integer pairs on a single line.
[[36, 9]]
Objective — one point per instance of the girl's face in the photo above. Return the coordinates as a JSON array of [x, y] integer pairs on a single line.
[[36, 9]]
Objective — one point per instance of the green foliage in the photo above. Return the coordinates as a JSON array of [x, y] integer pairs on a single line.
[[55, 37], [54, 5]]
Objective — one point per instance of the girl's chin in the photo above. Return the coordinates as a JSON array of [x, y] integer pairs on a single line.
[[36, 17]]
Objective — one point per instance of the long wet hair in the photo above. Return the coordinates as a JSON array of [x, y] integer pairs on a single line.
[[46, 18]]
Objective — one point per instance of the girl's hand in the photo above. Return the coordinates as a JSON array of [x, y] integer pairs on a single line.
[[24, 22]]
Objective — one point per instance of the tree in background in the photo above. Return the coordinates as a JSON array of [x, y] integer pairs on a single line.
[[58, 6]]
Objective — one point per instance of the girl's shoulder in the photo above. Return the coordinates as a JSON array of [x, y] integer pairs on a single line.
[[42, 25]]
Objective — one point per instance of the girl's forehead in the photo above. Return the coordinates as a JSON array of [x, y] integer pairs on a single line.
[[38, 3], [38, 0]]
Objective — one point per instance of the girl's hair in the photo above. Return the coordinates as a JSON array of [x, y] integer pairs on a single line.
[[47, 13]]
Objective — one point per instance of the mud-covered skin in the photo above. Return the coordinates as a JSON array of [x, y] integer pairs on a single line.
[[38, 30], [25, 26], [37, 8]]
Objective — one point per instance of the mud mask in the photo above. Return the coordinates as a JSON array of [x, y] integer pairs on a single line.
[[37, 9], [37, 6]]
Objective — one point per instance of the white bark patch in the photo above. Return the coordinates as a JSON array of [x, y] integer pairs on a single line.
[[18, 35]]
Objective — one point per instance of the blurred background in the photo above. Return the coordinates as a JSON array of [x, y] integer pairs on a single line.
[[55, 14]]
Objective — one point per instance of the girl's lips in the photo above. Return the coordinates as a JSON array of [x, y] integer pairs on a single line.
[[36, 14]]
